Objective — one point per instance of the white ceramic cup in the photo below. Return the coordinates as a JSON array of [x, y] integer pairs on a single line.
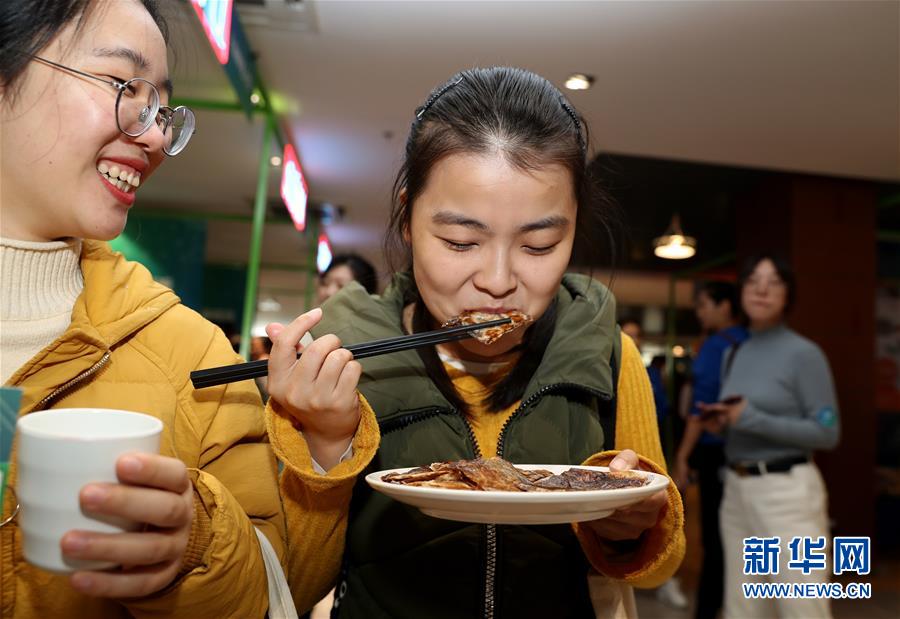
[[60, 451]]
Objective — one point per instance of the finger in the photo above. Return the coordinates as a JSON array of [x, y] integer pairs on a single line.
[[631, 521], [624, 461], [124, 583], [136, 504], [330, 374], [273, 329], [614, 530], [310, 365], [349, 380], [651, 504], [146, 548], [153, 471], [284, 344]]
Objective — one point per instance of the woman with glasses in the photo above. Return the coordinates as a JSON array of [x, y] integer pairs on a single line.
[[84, 122], [785, 408]]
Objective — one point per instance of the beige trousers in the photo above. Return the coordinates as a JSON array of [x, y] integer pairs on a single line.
[[788, 504]]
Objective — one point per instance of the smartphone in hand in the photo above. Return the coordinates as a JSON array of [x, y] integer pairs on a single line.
[[709, 414]]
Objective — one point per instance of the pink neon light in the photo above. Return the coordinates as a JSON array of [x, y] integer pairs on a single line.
[[294, 191], [324, 253], [221, 51]]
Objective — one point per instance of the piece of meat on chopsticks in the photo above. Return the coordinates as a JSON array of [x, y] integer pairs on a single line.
[[491, 334]]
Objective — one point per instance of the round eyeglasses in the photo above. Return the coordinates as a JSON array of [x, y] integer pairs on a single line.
[[137, 108]]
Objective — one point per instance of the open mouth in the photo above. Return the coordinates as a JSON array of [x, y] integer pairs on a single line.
[[491, 334], [120, 176]]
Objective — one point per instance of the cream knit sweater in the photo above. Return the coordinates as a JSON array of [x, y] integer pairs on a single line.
[[39, 283]]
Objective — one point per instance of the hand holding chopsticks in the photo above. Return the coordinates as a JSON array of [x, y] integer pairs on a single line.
[[317, 388], [244, 371]]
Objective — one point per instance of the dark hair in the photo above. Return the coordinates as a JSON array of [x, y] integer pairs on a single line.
[[522, 117], [362, 269], [782, 267], [28, 26], [719, 292], [267, 343]]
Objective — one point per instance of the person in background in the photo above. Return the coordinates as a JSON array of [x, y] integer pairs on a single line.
[[84, 86], [717, 310], [493, 198], [669, 592], [346, 268], [785, 409], [657, 373]]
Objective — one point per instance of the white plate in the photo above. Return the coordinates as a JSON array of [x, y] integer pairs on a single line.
[[498, 507]]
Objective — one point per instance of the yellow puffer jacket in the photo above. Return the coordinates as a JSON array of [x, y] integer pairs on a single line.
[[132, 345]]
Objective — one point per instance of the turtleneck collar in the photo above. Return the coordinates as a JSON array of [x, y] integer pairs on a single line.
[[768, 331], [40, 280]]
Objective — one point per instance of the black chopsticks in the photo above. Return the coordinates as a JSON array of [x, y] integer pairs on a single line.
[[245, 371]]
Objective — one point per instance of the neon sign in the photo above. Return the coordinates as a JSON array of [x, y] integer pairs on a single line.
[[294, 191], [215, 15], [323, 253]]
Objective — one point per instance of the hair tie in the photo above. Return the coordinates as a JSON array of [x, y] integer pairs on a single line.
[[430, 101], [571, 112]]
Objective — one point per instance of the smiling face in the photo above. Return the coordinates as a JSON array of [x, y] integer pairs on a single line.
[[59, 133], [489, 237]]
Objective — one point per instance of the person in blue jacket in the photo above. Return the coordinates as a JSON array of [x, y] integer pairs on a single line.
[[718, 312]]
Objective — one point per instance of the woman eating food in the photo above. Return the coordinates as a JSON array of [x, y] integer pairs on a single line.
[[492, 202]]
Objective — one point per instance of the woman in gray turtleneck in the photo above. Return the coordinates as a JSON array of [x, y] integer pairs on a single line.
[[786, 407]]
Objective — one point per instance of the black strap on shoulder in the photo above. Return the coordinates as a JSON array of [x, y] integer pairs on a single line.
[[732, 352], [727, 337]]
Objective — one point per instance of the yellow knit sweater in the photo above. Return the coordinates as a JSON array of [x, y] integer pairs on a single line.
[[316, 505]]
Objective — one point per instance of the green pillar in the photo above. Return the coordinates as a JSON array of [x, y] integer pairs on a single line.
[[259, 222]]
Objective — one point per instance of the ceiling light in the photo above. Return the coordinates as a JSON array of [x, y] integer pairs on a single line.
[[674, 245], [275, 160], [579, 81]]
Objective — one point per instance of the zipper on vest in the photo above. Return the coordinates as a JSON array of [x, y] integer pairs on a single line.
[[399, 423], [73, 384], [491, 529], [534, 397]]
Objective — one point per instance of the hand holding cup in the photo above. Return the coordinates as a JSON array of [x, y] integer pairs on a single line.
[[154, 491], [95, 495]]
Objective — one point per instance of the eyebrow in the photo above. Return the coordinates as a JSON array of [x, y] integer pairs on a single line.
[[137, 59], [449, 218], [553, 221]]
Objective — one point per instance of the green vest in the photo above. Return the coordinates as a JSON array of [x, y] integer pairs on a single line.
[[400, 563]]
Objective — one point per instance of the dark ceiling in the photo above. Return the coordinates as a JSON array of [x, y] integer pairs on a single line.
[[649, 191]]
